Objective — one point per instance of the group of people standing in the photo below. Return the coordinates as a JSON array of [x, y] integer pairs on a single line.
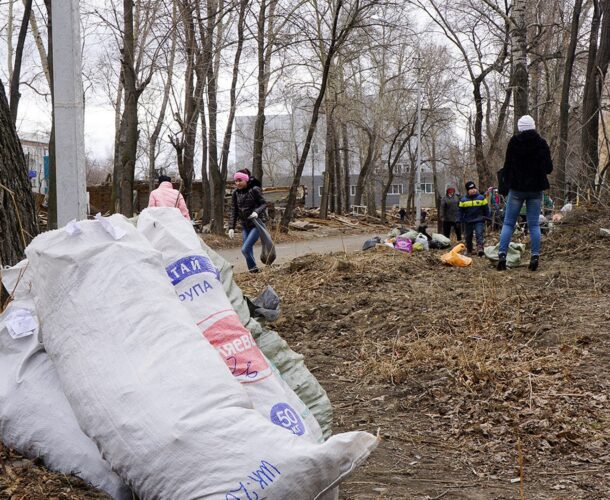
[[524, 179]]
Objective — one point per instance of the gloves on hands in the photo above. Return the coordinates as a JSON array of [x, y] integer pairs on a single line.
[[253, 215], [231, 233]]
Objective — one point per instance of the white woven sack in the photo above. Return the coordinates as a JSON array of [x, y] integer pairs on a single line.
[[151, 391], [198, 286], [289, 364], [36, 419]]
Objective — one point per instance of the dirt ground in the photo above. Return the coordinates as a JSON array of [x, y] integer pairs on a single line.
[[481, 384]]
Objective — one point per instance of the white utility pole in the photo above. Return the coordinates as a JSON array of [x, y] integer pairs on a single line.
[[418, 163], [69, 110]]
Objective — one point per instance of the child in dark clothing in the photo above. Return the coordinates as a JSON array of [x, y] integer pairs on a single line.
[[474, 209]]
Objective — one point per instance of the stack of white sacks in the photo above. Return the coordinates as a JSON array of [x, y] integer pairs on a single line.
[[144, 377]]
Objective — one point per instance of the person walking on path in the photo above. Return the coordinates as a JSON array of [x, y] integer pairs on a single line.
[[474, 210], [450, 214], [402, 214], [527, 164], [166, 196], [247, 203]]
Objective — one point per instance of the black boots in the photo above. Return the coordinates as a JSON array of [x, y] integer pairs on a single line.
[[501, 266], [501, 262]]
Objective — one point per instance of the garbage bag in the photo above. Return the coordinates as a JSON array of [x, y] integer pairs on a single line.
[[403, 244], [266, 305], [154, 394], [198, 286], [411, 234], [513, 256], [393, 233], [290, 364], [442, 240], [268, 250], [36, 419], [455, 258], [372, 243], [421, 238]]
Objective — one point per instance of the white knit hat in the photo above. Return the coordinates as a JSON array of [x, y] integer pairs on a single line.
[[526, 122]]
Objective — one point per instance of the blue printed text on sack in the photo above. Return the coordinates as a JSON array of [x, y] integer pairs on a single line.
[[261, 478], [195, 291], [189, 266]]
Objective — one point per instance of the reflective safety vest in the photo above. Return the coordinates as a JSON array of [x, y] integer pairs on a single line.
[[473, 203]]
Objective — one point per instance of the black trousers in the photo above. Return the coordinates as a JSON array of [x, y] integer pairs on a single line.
[[447, 225]]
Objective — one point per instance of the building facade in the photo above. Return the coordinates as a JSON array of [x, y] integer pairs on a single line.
[[36, 151]]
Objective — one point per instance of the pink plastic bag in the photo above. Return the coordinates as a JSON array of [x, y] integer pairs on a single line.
[[403, 244]]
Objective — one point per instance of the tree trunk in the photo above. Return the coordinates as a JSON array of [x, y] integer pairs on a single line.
[[17, 212], [485, 177], [597, 67], [217, 184], [16, 75], [564, 106], [226, 143], [346, 170], [52, 196], [519, 59], [130, 112], [335, 40], [264, 51], [337, 174], [366, 167], [152, 142]]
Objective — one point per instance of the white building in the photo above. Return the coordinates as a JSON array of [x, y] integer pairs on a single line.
[[36, 151]]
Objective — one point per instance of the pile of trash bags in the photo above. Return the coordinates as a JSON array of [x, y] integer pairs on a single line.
[[409, 240], [128, 357]]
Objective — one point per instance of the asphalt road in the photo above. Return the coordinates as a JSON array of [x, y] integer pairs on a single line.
[[287, 251]]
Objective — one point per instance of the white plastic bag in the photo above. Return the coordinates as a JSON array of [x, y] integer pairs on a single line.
[[198, 286], [152, 392], [421, 238], [36, 419]]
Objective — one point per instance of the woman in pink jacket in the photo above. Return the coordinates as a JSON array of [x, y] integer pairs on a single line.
[[166, 196]]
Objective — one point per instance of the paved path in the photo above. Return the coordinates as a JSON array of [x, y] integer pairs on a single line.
[[287, 251]]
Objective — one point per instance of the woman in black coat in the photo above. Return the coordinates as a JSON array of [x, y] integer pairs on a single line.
[[528, 162], [247, 203]]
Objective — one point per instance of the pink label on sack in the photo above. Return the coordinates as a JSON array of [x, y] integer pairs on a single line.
[[239, 350]]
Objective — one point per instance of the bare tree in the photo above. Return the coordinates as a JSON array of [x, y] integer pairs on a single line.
[[16, 73], [17, 216], [564, 105], [597, 67]]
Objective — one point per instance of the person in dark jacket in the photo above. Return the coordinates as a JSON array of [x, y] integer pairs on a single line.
[[527, 164], [450, 214], [474, 209], [247, 203]]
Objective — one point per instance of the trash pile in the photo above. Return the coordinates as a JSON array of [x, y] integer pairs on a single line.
[[128, 357], [410, 240]]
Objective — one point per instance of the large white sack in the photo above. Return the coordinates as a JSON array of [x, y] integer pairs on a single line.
[[36, 419], [198, 286], [290, 364], [151, 391]]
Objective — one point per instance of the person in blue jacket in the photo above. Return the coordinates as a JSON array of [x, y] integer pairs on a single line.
[[474, 210]]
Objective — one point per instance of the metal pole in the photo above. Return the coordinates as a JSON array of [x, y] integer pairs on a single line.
[[418, 164], [69, 112], [313, 171]]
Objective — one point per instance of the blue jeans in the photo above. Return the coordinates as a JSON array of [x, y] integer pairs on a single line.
[[247, 248], [479, 230], [514, 202]]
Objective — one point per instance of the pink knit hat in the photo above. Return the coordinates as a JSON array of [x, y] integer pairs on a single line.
[[240, 176]]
